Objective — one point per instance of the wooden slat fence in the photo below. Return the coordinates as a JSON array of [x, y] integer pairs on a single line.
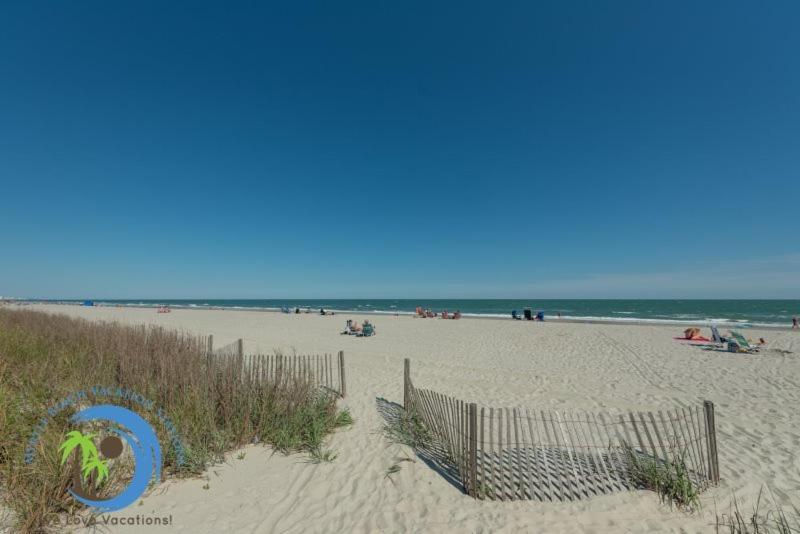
[[520, 453], [323, 370]]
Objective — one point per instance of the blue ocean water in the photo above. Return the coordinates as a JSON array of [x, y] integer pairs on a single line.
[[739, 312]]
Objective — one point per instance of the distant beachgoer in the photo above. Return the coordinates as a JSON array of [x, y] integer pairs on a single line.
[[297, 310], [445, 315], [559, 315], [795, 325], [457, 315], [322, 311]]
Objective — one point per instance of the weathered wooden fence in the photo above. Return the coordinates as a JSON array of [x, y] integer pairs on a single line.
[[518, 453], [321, 369]]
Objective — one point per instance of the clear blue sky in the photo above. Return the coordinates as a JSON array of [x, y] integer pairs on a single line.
[[400, 149]]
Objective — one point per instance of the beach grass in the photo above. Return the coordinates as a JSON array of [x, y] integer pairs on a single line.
[[407, 429], [767, 517], [210, 401], [669, 479]]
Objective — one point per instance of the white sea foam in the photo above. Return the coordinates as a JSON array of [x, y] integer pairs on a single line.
[[628, 316]]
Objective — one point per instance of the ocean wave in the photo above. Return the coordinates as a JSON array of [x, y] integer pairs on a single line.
[[777, 320]]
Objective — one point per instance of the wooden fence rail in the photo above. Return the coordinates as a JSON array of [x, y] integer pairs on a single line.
[[320, 369], [519, 453]]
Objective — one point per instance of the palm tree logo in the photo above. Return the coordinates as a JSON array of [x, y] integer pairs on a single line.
[[90, 461]]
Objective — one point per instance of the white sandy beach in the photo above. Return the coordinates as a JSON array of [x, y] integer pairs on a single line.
[[499, 363]]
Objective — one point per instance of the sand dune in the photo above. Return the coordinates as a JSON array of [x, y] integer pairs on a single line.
[[500, 363]]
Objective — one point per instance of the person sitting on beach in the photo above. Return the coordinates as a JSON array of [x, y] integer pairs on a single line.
[[419, 311], [356, 327], [445, 315], [457, 315], [429, 314], [348, 329], [322, 311]]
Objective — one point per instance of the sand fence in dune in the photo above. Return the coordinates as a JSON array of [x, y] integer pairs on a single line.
[[322, 370], [521, 453], [200, 405]]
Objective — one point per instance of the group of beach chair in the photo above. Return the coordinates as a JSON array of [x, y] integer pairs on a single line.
[[352, 328], [528, 315]]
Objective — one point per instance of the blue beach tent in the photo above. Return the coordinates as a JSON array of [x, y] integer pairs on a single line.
[[88, 303]]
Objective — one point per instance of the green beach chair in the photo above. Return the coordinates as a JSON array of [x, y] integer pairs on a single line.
[[367, 331], [743, 344]]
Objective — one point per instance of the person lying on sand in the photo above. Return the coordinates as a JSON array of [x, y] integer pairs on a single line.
[[691, 333]]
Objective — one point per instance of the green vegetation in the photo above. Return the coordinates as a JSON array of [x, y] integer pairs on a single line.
[[773, 520], [214, 403], [669, 479], [407, 429]]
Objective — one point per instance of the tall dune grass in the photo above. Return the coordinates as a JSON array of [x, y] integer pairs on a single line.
[[214, 403]]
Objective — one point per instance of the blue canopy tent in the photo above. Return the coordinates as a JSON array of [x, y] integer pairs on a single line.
[[88, 303]]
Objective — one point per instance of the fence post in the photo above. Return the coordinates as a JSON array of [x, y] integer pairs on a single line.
[[240, 347], [711, 442], [472, 453], [211, 344], [406, 383], [342, 384]]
